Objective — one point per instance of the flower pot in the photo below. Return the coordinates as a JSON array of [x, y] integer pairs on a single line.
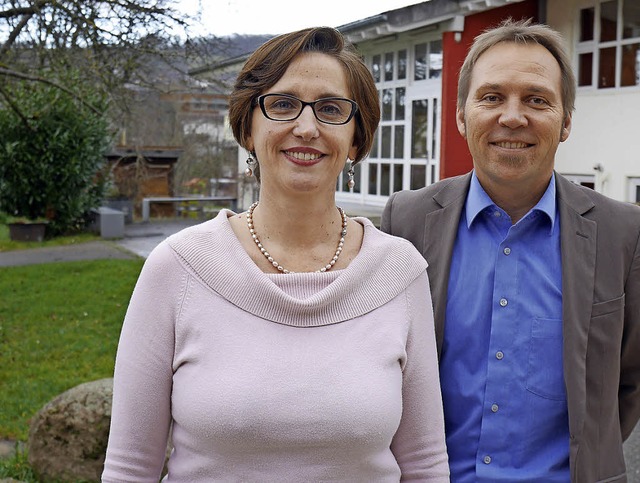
[[27, 231]]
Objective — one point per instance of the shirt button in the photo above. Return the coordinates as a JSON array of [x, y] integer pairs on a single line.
[[496, 214], [494, 408], [507, 251], [503, 302], [499, 355], [487, 460]]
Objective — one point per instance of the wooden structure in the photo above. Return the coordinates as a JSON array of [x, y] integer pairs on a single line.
[[143, 172]]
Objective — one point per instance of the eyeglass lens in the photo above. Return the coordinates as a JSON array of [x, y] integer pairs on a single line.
[[286, 108]]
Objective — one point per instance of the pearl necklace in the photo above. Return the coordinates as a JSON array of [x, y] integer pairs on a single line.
[[280, 268]]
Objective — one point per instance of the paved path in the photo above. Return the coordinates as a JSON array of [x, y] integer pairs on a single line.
[[632, 456], [139, 240]]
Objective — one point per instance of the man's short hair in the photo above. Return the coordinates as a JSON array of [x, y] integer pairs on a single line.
[[520, 32]]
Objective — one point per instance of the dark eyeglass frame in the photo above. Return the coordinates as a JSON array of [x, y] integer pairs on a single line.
[[260, 101]]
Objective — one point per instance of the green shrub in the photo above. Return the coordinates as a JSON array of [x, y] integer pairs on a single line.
[[51, 154]]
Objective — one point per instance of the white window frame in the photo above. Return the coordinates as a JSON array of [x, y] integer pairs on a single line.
[[633, 183], [594, 46], [427, 89], [581, 179]]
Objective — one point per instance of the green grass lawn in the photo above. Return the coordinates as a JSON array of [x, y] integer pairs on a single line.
[[59, 327], [6, 244]]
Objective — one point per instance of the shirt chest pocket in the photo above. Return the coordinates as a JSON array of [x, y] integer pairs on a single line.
[[544, 371]]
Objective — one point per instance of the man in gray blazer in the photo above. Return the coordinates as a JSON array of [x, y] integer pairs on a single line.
[[535, 281]]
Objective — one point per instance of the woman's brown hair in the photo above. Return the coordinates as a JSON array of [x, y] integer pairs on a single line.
[[270, 61]]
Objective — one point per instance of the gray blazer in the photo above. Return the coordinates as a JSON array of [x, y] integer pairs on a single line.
[[600, 243]]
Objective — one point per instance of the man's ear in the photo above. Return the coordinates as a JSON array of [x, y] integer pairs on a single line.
[[566, 128], [462, 129]]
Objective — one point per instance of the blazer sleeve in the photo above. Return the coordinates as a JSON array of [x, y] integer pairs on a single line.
[[385, 221], [629, 391]]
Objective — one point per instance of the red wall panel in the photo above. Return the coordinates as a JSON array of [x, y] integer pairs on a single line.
[[455, 158]]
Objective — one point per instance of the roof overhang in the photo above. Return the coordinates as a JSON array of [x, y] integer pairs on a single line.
[[443, 15]]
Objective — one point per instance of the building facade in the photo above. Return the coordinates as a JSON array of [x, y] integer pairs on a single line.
[[415, 53], [603, 150]]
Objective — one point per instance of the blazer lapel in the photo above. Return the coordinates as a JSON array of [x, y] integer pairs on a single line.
[[441, 227], [578, 247]]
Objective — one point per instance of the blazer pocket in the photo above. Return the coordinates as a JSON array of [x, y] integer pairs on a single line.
[[607, 307]]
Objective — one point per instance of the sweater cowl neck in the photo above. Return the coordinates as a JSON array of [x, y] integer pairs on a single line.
[[383, 269]]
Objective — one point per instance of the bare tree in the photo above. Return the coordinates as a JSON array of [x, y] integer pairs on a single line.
[[104, 41]]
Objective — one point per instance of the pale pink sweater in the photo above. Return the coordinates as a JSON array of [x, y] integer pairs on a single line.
[[277, 378]]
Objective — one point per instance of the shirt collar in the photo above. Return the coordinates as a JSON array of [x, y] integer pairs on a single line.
[[478, 200]]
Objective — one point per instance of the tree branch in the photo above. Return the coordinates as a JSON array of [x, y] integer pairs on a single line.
[[30, 10], [43, 80], [15, 108], [14, 33]]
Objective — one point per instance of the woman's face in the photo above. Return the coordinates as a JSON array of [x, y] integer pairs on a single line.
[[304, 155]]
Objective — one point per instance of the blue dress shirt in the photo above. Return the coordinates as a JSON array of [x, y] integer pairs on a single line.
[[501, 364]]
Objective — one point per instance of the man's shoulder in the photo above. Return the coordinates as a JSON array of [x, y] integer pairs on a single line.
[[403, 207], [454, 186], [594, 204]]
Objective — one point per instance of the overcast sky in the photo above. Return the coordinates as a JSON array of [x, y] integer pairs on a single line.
[[224, 17]]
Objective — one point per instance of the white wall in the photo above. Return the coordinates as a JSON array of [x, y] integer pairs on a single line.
[[606, 122], [606, 131]]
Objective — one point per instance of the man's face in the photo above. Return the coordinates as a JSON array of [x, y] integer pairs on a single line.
[[513, 118]]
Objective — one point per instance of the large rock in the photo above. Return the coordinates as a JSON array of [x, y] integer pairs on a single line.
[[68, 436]]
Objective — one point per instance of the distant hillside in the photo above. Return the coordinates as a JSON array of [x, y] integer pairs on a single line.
[[170, 68], [244, 44]]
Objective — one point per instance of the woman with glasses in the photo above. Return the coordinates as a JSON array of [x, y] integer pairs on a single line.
[[290, 342]]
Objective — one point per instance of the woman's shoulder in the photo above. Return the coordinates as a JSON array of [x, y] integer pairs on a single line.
[[394, 248], [203, 235]]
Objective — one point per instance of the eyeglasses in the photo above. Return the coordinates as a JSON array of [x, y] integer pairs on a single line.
[[330, 110]]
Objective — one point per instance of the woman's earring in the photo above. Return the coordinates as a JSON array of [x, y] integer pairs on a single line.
[[251, 166], [351, 173]]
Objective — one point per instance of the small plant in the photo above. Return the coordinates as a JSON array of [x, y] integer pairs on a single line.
[[23, 219], [17, 467]]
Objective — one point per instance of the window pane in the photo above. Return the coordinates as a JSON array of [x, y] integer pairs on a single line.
[[420, 63], [374, 146], [345, 179], [388, 66], [402, 64], [630, 19], [607, 73], [375, 68], [608, 23], [434, 121], [586, 24], [386, 142], [387, 104], [400, 103], [435, 59], [385, 179], [373, 179], [419, 129], [585, 69], [418, 176], [357, 177], [630, 75], [397, 177], [398, 145], [637, 194]]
